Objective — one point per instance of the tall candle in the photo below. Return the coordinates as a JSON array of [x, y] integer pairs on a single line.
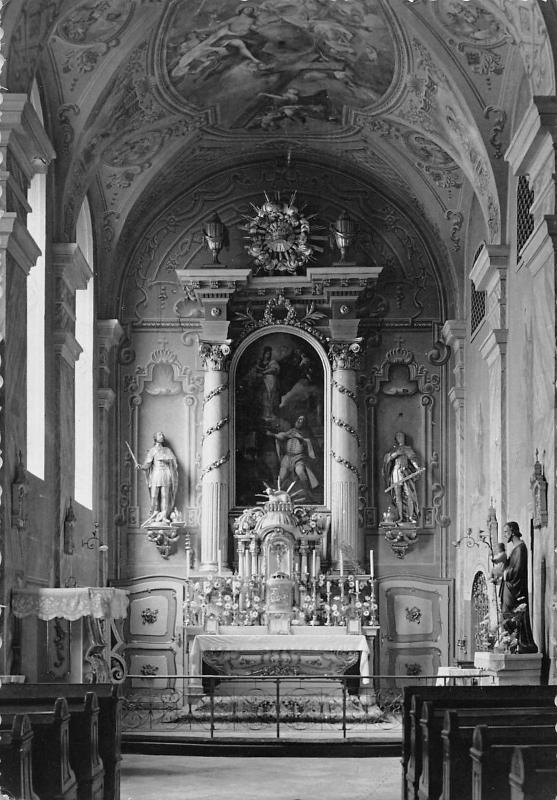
[[187, 562], [341, 563], [219, 562], [371, 571], [314, 564]]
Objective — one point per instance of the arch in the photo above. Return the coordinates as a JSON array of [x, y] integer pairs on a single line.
[[279, 375], [479, 611]]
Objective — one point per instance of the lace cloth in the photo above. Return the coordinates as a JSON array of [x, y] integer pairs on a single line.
[[72, 604]]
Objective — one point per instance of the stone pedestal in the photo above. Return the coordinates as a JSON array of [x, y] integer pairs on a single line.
[[510, 669]]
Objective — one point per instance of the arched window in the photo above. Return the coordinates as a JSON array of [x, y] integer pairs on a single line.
[[85, 335], [480, 611], [36, 225]]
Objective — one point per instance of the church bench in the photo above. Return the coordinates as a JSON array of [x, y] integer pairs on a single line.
[[83, 740], [455, 697], [109, 721], [491, 754], [506, 721], [16, 758], [52, 770], [533, 773], [457, 739]]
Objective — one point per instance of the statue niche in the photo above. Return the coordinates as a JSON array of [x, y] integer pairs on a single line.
[[279, 419]]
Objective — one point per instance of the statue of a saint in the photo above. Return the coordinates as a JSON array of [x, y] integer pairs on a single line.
[[400, 470], [514, 590], [162, 477]]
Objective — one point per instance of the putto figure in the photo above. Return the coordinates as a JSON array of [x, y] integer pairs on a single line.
[[162, 477], [400, 470]]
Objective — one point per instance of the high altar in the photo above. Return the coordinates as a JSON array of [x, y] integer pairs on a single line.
[[288, 446]]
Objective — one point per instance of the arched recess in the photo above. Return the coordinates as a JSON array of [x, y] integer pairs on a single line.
[[479, 611], [308, 346]]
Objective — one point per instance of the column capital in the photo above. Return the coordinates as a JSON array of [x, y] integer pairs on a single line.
[[18, 242], [215, 357], [345, 355], [70, 265], [454, 333], [66, 346], [23, 134], [494, 345]]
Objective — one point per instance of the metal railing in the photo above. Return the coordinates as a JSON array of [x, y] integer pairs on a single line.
[[270, 706]]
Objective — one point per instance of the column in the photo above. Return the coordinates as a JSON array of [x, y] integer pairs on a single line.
[[71, 272], [489, 274], [345, 442], [24, 151], [215, 455], [109, 333]]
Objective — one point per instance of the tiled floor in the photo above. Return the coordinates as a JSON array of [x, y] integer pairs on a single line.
[[153, 777]]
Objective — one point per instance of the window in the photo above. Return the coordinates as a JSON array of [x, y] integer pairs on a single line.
[[36, 225], [85, 335]]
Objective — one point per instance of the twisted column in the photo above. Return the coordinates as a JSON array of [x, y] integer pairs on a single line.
[[215, 455], [345, 442]]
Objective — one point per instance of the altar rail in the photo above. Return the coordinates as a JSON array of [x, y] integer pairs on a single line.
[[212, 706]]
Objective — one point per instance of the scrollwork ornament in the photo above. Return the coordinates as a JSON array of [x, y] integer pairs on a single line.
[[345, 355], [214, 356]]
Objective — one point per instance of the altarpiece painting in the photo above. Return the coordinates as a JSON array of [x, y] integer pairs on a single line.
[[279, 419]]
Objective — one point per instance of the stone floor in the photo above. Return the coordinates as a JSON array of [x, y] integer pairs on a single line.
[[153, 777]]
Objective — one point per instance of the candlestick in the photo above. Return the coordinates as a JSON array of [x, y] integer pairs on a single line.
[[371, 571]]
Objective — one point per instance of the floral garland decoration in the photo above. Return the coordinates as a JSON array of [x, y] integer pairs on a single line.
[[279, 236]]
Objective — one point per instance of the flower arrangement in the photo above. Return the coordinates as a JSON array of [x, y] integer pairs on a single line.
[[228, 600], [503, 637], [279, 236]]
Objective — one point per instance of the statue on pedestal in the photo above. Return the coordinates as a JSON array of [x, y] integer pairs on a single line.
[[400, 469], [514, 591], [162, 478]]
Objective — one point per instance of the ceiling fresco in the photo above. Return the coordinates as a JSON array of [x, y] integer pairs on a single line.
[[148, 101], [276, 63]]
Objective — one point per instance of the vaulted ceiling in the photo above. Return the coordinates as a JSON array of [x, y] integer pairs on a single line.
[[148, 100]]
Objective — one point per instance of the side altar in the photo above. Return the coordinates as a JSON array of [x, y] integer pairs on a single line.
[[280, 615]]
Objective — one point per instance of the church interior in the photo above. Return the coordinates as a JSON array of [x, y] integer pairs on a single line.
[[277, 386]]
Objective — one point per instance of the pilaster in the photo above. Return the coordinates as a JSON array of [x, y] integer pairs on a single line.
[[454, 335]]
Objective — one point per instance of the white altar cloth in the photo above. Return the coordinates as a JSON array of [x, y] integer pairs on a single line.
[[258, 639], [48, 602]]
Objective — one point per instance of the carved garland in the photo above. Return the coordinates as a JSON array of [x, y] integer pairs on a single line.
[[215, 464], [215, 392], [347, 464], [344, 390], [214, 428], [345, 426], [279, 310]]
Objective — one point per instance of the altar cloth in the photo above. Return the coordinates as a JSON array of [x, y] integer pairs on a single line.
[[49, 602], [263, 641]]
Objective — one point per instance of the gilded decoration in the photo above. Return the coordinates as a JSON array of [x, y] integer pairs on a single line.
[[279, 421]]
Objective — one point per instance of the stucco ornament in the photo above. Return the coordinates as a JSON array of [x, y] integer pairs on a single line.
[[279, 236]]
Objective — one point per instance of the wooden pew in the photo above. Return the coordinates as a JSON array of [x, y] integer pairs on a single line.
[[457, 740], [16, 758], [533, 773], [504, 719], [454, 697], [492, 753], [52, 770], [110, 718], [84, 749]]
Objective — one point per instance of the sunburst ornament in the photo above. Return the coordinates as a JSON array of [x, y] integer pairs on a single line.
[[279, 236]]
